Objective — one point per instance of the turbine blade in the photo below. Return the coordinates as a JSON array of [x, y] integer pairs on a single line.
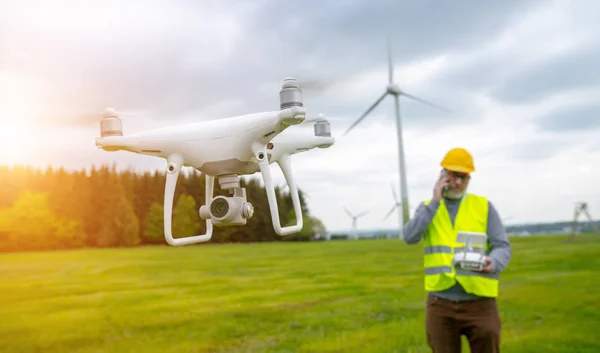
[[362, 214], [367, 112], [394, 193], [390, 212], [390, 61], [425, 102], [348, 212]]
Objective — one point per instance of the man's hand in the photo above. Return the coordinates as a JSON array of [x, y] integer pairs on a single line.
[[488, 266], [439, 186]]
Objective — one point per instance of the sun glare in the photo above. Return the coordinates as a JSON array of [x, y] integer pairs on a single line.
[[13, 141], [15, 107]]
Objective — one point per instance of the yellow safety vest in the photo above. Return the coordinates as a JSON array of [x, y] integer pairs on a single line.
[[440, 244]]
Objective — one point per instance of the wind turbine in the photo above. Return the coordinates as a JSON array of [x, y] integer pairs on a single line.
[[354, 217], [394, 90]]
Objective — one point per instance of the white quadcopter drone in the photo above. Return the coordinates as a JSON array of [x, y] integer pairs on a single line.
[[226, 149]]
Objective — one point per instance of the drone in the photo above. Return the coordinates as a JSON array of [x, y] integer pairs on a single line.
[[225, 149]]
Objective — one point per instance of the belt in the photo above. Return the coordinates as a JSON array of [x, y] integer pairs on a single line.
[[464, 301]]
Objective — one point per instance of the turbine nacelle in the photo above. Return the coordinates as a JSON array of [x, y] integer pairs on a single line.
[[394, 89]]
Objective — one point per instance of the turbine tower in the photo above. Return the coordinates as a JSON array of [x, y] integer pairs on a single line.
[[394, 90], [354, 217]]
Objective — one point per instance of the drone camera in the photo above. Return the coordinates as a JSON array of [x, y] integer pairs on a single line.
[[290, 94], [228, 210], [111, 126]]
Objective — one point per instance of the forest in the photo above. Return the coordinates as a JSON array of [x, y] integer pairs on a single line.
[[54, 209]]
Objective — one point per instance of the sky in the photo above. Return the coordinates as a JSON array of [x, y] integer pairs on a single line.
[[519, 78]]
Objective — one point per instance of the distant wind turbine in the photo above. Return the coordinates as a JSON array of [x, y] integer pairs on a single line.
[[353, 231]]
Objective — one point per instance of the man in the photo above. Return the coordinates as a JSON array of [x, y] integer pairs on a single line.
[[459, 302]]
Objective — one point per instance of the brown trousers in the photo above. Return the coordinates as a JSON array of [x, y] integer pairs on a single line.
[[478, 320]]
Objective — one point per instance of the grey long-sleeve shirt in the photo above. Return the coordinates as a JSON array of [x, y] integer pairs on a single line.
[[500, 250]]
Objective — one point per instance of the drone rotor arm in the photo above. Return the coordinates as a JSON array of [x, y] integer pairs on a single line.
[[175, 162]]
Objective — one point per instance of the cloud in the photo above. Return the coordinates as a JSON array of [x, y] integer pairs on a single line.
[[580, 118], [178, 58], [570, 70], [517, 76], [529, 43]]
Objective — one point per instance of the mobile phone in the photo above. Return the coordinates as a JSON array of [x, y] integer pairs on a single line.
[[444, 174]]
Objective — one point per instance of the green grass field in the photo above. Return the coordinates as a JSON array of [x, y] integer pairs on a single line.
[[339, 296]]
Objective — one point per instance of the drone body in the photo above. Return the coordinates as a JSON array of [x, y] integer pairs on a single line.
[[225, 149], [214, 147]]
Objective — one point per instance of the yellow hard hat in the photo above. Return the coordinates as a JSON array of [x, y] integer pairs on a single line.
[[458, 160]]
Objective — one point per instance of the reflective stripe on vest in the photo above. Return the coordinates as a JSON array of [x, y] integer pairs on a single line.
[[440, 245]]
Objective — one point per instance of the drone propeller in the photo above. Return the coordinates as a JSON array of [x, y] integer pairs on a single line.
[[320, 118], [85, 119], [312, 85]]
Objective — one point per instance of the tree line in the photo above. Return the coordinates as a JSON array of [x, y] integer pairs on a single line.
[[51, 209]]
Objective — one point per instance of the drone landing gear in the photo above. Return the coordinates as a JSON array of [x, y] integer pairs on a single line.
[[175, 162], [232, 210], [285, 165], [219, 211]]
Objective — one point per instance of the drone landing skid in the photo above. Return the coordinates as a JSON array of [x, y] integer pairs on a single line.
[[233, 210], [286, 168], [175, 163]]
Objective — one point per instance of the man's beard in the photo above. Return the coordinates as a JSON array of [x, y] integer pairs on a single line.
[[452, 195]]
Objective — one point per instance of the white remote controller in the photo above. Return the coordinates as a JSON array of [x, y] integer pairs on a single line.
[[469, 258]]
